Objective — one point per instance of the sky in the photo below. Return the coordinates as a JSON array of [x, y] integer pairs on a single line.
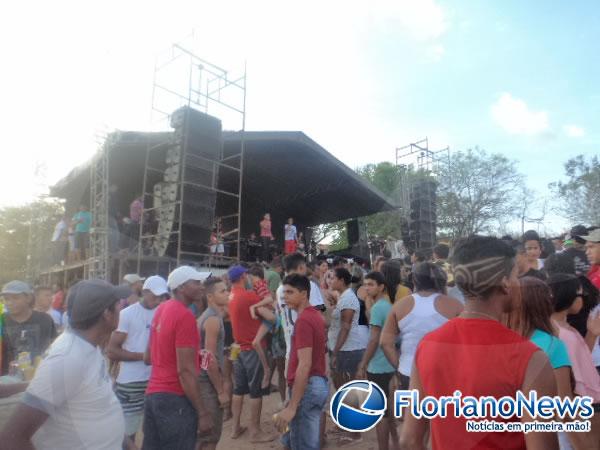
[[360, 78]]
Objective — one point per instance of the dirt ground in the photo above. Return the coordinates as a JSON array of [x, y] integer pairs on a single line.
[[270, 404]]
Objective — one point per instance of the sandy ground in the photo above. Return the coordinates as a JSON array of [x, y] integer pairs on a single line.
[[270, 405]]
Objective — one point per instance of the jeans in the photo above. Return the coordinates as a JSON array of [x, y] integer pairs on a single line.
[[170, 422], [304, 429]]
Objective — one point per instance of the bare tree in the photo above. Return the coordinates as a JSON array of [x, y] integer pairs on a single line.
[[476, 191]]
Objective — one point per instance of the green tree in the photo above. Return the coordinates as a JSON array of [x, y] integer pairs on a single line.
[[476, 192], [17, 223], [580, 194]]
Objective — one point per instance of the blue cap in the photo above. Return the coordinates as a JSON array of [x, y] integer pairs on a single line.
[[235, 273], [16, 287]]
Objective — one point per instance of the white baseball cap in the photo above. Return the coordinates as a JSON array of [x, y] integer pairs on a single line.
[[184, 274], [156, 284], [132, 278]]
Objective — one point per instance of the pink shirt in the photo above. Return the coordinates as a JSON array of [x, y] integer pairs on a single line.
[[587, 380], [135, 210], [265, 228]]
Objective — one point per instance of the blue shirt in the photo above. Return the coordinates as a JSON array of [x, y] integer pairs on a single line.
[[379, 312], [86, 221], [553, 347]]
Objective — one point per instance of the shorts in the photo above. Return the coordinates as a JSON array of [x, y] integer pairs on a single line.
[[278, 342], [290, 247], [131, 396], [383, 381], [210, 399], [82, 240], [218, 248], [248, 374], [348, 361]]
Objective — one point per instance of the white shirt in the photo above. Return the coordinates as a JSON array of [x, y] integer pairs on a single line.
[[355, 339], [290, 232], [59, 229], [289, 316], [73, 387], [135, 322]]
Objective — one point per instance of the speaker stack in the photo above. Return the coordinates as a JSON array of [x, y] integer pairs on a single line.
[[423, 218], [197, 147]]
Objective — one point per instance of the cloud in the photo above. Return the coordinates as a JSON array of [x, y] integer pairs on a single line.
[[574, 131], [515, 116]]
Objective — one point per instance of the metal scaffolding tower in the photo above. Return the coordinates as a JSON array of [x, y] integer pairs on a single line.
[[186, 85], [98, 263]]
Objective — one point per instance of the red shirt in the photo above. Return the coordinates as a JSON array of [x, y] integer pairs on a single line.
[[309, 331], [262, 289], [244, 327], [173, 327], [265, 228], [58, 300], [477, 357], [594, 275]]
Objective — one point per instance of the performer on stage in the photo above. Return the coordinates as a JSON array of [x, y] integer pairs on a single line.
[[265, 236]]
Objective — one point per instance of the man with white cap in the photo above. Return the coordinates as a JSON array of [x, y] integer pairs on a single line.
[[70, 402], [174, 414], [127, 345], [25, 330]]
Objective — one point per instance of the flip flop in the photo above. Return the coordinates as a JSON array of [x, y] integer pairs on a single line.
[[240, 431]]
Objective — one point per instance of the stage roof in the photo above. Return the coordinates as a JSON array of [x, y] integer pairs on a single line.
[[285, 173]]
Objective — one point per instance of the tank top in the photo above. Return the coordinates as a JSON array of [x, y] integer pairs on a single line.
[[422, 319], [211, 312], [478, 357]]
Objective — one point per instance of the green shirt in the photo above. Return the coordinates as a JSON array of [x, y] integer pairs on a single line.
[[273, 279], [86, 221], [379, 313]]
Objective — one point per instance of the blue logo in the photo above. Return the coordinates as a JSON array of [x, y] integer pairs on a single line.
[[369, 413]]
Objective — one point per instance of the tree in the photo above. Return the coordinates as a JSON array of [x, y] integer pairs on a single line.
[[476, 191], [580, 195], [16, 222]]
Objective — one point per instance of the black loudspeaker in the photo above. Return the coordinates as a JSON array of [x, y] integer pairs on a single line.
[[423, 218], [352, 232]]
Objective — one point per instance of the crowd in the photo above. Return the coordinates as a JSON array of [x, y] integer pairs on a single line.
[[487, 317]]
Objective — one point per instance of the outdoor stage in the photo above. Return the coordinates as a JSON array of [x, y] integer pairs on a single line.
[[286, 174]]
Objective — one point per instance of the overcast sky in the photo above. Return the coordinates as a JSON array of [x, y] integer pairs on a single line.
[[360, 78]]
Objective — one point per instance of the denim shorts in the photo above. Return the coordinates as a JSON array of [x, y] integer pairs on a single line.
[[304, 429], [170, 422]]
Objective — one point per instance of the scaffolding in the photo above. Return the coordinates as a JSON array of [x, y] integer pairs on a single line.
[[416, 193], [97, 265], [209, 89]]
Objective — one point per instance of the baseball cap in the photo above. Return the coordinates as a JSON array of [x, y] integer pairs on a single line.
[[132, 278], [156, 284], [235, 273], [184, 274], [16, 287], [592, 236], [89, 298]]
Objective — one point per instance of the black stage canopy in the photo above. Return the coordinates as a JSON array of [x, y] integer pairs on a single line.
[[285, 173]]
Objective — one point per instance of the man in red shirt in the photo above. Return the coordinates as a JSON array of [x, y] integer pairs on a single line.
[[247, 369], [592, 251], [174, 414], [477, 355], [306, 371]]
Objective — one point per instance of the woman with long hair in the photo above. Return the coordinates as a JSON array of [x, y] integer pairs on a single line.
[[414, 316], [567, 299], [531, 318], [374, 366], [392, 272]]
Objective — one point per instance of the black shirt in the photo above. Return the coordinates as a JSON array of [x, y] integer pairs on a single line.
[[34, 336], [582, 265]]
